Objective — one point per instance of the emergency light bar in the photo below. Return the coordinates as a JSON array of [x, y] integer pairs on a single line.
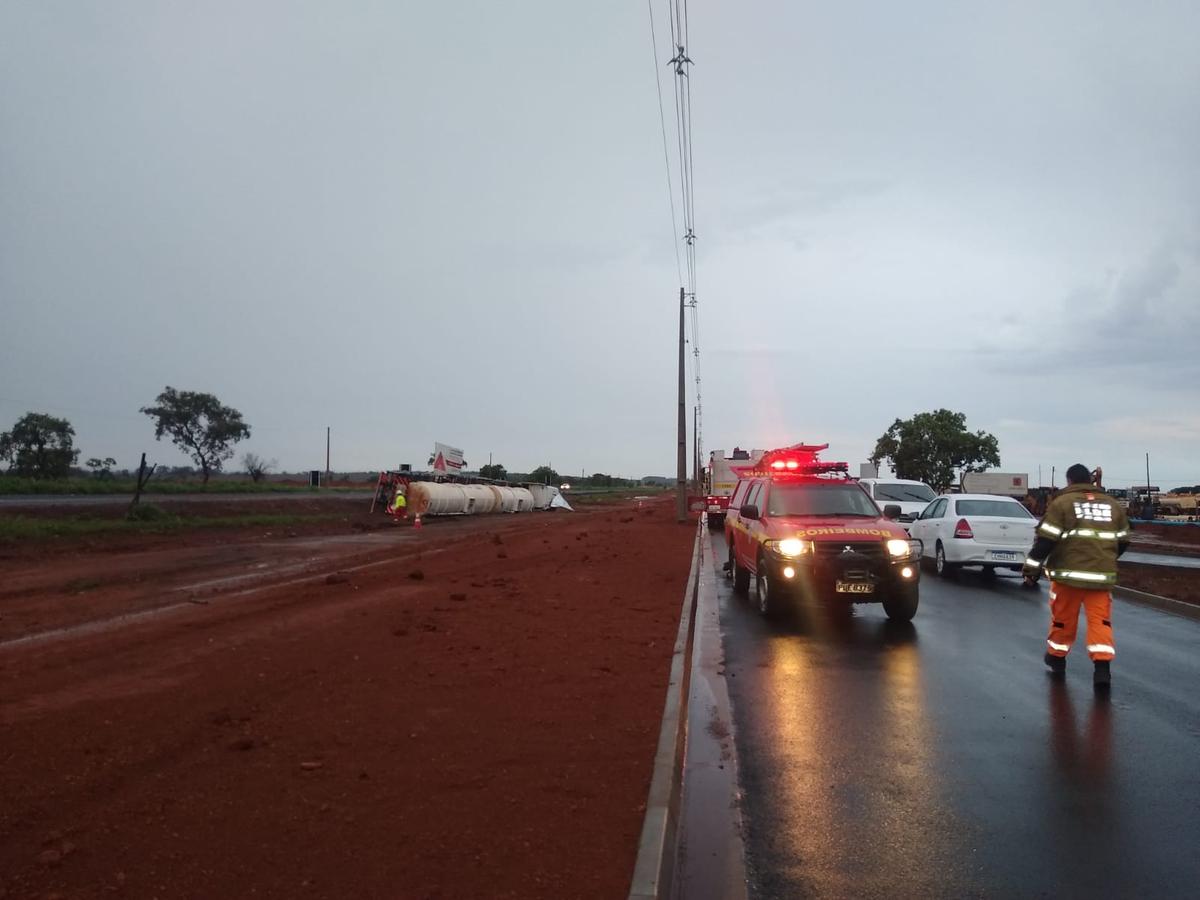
[[798, 459]]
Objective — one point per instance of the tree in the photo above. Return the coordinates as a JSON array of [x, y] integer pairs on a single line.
[[544, 475], [931, 446], [495, 472], [199, 426], [101, 468], [599, 479], [39, 446], [257, 467]]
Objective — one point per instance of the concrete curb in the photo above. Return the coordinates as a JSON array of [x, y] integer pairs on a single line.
[[712, 854], [654, 870], [1165, 604]]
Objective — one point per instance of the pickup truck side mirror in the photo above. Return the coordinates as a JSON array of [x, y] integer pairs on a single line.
[[749, 511], [891, 511]]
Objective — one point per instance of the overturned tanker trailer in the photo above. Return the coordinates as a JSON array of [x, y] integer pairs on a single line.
[[432, 498]]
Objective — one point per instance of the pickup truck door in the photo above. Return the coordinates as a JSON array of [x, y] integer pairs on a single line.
[[754, 527]]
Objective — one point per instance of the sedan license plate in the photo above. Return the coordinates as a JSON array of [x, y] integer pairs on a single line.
[[854, 587], [1005, 554]]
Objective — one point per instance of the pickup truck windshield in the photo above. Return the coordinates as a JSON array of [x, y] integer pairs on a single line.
[[820, 500], [903, 493]]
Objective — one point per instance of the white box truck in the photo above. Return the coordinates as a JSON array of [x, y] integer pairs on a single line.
[[1010, 484]]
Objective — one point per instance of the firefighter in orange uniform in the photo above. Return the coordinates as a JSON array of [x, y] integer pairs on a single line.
[[1078, 542]]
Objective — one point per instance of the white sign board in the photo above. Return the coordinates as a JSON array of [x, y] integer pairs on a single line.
[[446, 458]]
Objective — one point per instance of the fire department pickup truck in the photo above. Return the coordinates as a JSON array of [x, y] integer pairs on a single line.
[[804, 529]]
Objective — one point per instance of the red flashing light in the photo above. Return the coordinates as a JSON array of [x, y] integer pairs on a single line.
[[963, 529]]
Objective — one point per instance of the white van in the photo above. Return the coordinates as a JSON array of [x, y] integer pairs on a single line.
[[911, 496]]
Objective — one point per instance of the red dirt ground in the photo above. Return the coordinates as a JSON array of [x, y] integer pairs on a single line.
[[328, 724], [1178, 584]]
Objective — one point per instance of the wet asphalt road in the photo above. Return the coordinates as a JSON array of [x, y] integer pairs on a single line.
[[938, 759]]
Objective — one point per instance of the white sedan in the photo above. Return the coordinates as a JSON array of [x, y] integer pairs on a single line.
[[975, 530]]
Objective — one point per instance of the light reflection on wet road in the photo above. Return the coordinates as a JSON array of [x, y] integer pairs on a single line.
[[938, 759]]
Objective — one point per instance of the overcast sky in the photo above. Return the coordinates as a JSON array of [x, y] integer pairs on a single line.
[[432, 221]]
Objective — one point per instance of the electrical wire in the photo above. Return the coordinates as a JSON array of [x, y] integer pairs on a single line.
[[678, 19], [662, 121]]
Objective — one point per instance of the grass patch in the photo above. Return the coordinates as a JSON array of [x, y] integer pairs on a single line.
[[20, 528], [11, 484], [79, 585], [607, 496]]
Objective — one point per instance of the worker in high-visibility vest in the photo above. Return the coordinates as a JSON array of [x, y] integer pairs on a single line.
[[399, 504], [1078, 542]]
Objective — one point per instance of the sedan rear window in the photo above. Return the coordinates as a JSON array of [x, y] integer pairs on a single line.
[[1001, 509], [903, 493]]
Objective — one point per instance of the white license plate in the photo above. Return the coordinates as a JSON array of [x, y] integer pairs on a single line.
[[854, 587], [1005, 554]]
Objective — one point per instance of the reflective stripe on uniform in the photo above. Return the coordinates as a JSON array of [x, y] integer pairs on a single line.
[[1035, 563], [1060, 647], [1101, 648], [1097, 577], [1052, 530], [1092, 533]]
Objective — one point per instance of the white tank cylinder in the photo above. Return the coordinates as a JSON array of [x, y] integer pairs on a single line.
[[429, 498], [506, 501], [480, 498], [524, 498]]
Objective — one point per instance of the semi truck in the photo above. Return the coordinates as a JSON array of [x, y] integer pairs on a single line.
[[721, 480]]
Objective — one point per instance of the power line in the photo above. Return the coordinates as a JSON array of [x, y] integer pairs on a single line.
[[662, 121], [681, 63]]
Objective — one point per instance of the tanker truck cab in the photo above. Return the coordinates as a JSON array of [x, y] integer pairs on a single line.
[[802, 530]]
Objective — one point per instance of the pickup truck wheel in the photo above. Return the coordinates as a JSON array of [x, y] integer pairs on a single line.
[[716, 521], [902, 605], [741, 577], [940, 565], [764, 594]]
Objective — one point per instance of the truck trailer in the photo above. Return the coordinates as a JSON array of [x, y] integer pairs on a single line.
[[1009, 484]]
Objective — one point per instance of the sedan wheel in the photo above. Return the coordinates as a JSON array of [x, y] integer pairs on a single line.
[[940, 565]]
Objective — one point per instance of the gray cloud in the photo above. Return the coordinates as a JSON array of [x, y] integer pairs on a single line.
[[448, 222]]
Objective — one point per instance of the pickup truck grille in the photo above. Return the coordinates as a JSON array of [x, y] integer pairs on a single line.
[[831, 550]]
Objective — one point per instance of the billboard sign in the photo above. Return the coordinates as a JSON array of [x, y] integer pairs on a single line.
[[446, 458]]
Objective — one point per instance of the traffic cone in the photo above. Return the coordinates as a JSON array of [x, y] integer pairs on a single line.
[[417, 522]]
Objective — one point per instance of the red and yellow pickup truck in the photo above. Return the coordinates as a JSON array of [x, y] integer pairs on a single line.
[[804, 529]]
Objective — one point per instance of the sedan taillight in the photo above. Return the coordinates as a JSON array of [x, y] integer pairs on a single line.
[[963, 529]]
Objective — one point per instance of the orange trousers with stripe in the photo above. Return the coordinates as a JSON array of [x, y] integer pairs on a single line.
[[1065, 600]]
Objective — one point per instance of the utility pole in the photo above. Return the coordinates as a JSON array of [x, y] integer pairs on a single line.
[[326, 454], [681, 455]]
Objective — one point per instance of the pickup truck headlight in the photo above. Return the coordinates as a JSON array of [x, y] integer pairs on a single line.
[[793, 547], [900, 549]]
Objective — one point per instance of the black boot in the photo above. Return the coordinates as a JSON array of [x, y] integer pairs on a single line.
[[1102, 677], [1057, 664]]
